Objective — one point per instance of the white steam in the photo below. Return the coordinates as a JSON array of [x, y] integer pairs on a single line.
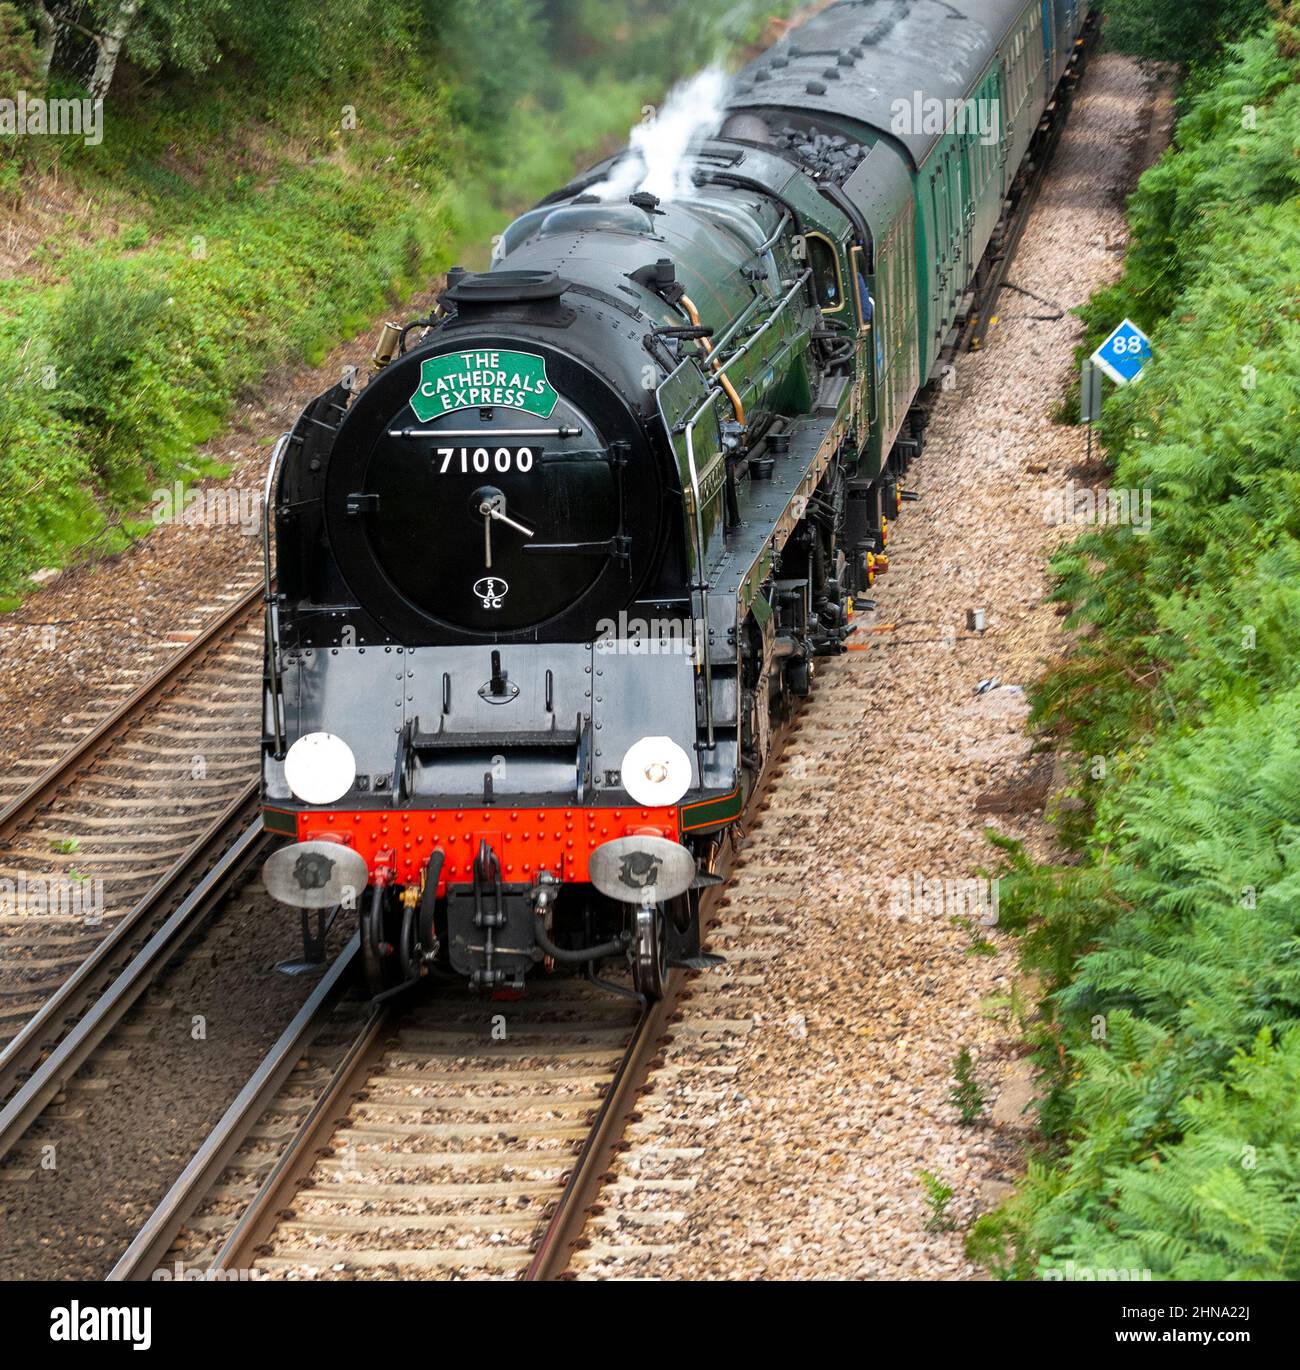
[[658, 160]]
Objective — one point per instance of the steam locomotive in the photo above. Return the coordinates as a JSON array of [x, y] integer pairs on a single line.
[[548, 585]]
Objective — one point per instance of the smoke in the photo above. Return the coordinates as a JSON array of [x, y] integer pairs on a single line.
[[658, 160]]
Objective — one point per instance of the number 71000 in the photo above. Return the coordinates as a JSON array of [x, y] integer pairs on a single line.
[[480, 460]]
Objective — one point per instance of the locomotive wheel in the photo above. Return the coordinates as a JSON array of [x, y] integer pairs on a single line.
[[650, 952], [381, 930]]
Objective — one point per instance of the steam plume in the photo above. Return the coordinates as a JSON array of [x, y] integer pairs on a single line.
[[658, 161]]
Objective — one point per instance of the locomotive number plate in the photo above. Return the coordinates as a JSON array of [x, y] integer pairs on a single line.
[[480, 461]]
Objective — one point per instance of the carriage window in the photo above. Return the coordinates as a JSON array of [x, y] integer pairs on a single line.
[[826, 273]]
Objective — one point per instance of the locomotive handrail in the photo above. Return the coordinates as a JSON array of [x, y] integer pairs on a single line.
[[702, 661], [564, 431], [769, 243], [800, 280], [268, 591], [697, 522], [736, 324]]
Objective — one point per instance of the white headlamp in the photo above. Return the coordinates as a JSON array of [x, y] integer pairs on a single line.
[[656, 772], [320, 768]]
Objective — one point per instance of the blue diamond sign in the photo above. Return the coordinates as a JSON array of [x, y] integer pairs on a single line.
[[1123, 355]]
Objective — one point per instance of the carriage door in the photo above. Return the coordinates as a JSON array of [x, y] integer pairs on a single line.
[[942, 260], [955, 180], [966, 152]]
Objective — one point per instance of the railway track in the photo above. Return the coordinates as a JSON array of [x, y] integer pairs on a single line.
[[443, 1142], [459, 1139], [321, 1033], [67, 1029], [87, 843], [453, 1138], [124, 1072]]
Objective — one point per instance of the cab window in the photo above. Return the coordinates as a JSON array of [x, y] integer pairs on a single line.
[[826, 273]]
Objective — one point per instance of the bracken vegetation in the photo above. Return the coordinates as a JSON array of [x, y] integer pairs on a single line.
[[271, 178], [1168, 951]]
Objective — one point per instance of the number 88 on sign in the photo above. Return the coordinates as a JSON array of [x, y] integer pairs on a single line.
[[1123, 355]]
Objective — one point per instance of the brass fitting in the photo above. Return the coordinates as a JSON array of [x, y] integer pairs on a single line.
[[732, 394], [386, 346]]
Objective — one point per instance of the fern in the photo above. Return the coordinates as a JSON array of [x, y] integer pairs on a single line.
[[1167, 1040]]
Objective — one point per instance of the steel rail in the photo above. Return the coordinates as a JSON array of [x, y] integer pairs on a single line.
[[42, 790], [150, 1246], [35, 1093], [564, 1228], [258, 1220]]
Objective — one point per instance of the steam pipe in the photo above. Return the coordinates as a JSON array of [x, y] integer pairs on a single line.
[[732, 394], [597, 953]]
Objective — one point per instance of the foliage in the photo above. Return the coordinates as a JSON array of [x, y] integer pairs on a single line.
[[1179, 30], [967, 1096], [286, 40], [18, 71], [107, 339], [1168, 1040], [18, 59], [493, 46], [937, 1196], [182, 34], [996, 1241]]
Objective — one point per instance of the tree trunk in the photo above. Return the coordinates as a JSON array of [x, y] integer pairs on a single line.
[[110, 48], [47, 30]]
